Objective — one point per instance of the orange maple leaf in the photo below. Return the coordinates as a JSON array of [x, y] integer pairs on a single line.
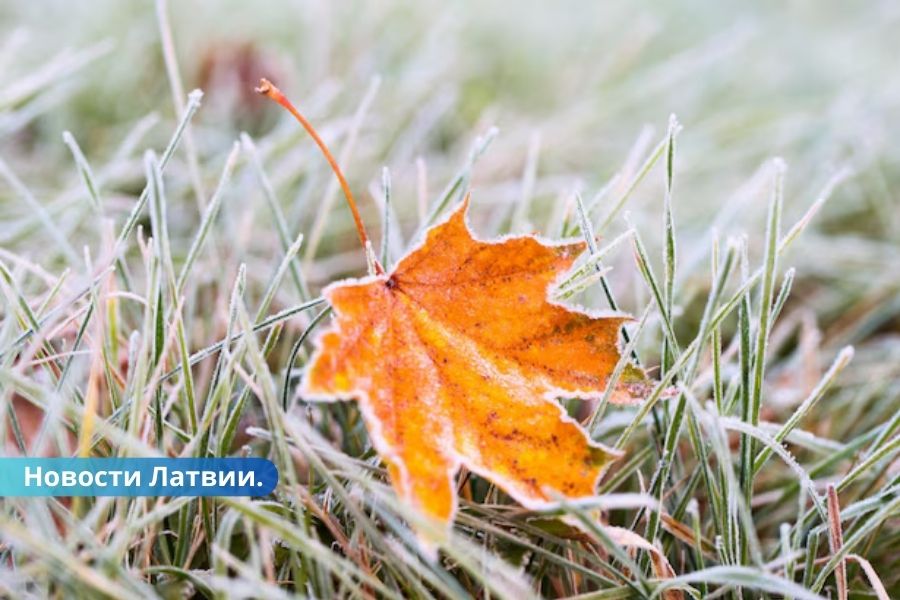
[[457, 358]]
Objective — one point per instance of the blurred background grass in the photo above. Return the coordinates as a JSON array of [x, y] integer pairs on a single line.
[[815, 84], [579, 90]]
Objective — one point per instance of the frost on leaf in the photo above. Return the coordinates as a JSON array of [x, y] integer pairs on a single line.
[[457, 358]]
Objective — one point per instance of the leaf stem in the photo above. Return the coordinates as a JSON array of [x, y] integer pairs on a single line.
[[268, 89]]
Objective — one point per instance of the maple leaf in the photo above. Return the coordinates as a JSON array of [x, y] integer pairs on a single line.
[[457, 358]]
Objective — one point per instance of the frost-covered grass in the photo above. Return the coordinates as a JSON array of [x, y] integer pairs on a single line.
[[165, 291]]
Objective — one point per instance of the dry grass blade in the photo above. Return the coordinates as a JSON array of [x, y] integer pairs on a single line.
[[836, 540]]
